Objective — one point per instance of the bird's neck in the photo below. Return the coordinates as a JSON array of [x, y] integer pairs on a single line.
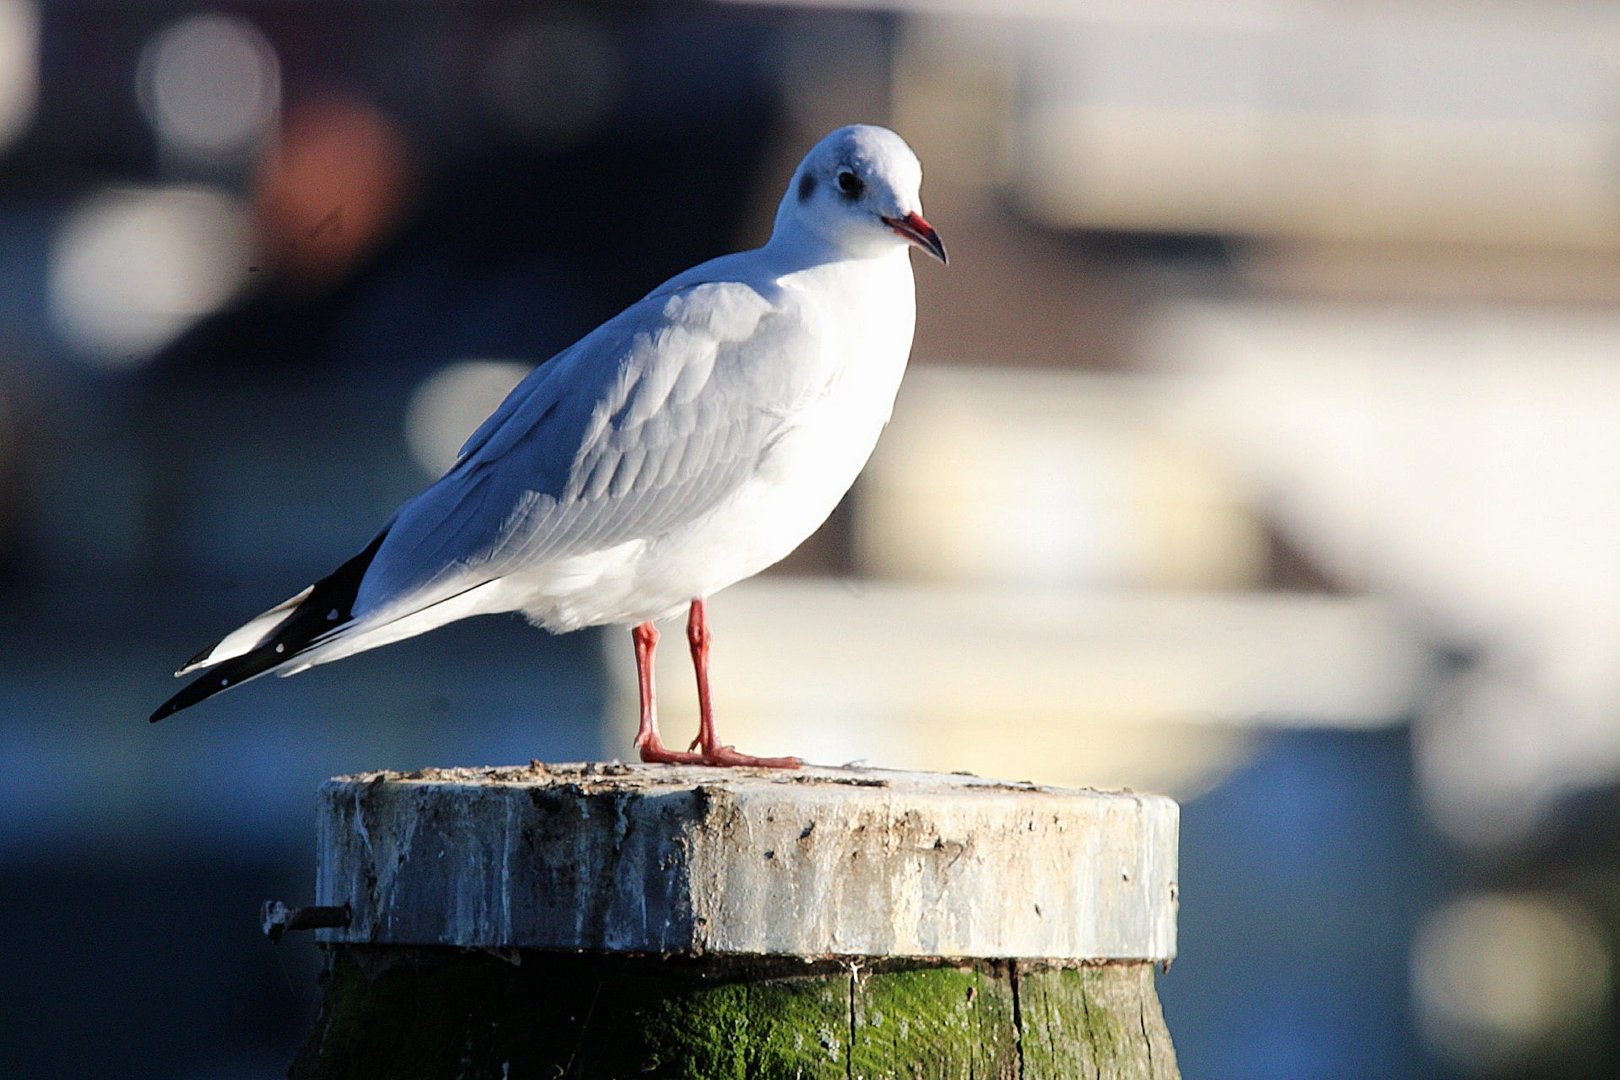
[[793, 247]]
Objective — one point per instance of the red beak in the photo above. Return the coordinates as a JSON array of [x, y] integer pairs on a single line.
[[919, 232]]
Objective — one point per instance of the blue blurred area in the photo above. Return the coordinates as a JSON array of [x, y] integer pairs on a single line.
[[133, 859], [1303, 876]]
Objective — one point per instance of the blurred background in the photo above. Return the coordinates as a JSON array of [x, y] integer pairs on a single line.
[[1262, 447]]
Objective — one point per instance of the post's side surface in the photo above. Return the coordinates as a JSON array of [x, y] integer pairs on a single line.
[[608, 921], [823, 862]]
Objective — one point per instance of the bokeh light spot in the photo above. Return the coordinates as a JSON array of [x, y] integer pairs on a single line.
[[1501, 978], [19, 66], [210, 86], [132, 268], [451, 403], [553, 78]]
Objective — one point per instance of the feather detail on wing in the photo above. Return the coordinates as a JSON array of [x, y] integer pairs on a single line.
[[611, 441]]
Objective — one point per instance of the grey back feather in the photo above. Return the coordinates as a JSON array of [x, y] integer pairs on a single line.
[[646, 424]]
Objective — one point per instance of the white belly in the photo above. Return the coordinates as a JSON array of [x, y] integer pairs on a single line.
[[808, 472]]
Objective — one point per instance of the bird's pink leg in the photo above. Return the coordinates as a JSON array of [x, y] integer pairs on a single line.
[[651, 746], [707, 742]]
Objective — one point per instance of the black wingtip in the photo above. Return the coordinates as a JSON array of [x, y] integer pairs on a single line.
[[168, 708], [223, 677], [303, 624]]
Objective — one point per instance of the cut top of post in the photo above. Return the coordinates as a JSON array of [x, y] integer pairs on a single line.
[[812, 863]]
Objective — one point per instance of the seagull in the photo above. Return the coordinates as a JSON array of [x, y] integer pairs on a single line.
[[687, 443]]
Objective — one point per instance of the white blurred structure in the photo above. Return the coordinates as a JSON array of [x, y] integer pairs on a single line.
[[1485, 122], [1466, 463], [1057, 686], [1051, 480]]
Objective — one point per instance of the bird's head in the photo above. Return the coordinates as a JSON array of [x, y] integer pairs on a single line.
[[859, 189]]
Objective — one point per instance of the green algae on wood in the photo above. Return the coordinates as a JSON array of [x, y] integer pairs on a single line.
[[1094, 1021], [938, 1022], [435, 1012], [771, 1027]]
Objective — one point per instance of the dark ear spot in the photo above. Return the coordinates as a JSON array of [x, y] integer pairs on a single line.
[[807, 186]]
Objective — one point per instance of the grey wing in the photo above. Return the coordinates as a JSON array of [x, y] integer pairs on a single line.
[[649, 422]]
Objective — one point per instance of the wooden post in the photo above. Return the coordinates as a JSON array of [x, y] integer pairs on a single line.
[[595, 921]]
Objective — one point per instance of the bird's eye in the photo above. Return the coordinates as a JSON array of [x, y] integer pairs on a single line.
[[850, 184]]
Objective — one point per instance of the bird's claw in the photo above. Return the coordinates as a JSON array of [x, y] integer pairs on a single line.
[[719, 757], [656, 753], [728, 757]]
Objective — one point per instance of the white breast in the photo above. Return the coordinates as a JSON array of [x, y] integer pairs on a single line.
[[806, 470]]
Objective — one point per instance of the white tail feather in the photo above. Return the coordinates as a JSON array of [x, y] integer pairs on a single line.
[[248, 636]]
